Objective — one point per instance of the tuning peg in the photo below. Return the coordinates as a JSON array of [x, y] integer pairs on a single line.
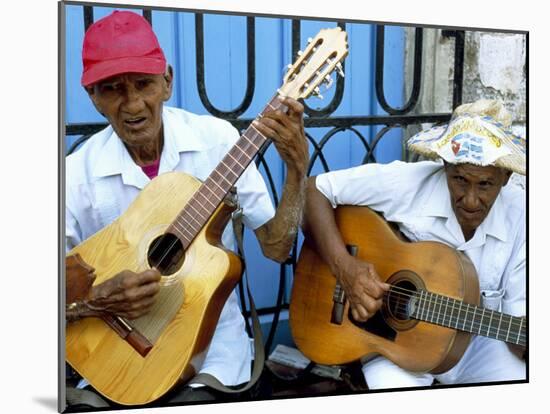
[[299, 53], [339, 69], [309, 40], [328, 81], [317, 93]]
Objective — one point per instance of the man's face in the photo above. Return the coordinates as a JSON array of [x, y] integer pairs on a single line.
[[132, 103], [473, 190]]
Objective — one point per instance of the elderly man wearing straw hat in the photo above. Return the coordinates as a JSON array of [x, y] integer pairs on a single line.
[[463, 199]]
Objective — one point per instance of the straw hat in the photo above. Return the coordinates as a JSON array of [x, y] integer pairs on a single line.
[[479, 133]]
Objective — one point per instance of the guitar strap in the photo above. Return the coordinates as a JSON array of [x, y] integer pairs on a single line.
[[259, 355]]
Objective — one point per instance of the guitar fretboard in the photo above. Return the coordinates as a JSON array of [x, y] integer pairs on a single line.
[[453, 313], [210, 194]]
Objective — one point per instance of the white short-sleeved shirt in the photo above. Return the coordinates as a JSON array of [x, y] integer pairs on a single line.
[[416, 197], [102, 180]]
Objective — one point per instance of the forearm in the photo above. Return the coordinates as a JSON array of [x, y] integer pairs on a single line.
[[277, 236], [320, 227]]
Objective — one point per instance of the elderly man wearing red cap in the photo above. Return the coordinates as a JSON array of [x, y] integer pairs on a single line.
[[128, 80], [463, 200]]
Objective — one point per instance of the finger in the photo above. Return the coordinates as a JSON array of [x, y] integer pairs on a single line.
[[137, 293], [296, 109], [263, 129], [148, 276], [359, 313], [371, 304], [277, 122]]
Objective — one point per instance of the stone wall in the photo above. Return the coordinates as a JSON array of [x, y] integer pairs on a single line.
[[494, 68]]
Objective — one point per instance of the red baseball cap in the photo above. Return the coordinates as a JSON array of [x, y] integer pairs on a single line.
[[122, 42]]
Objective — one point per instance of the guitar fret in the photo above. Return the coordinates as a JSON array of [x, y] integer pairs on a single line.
[[181, 234], [218, 198], [243, 152], [429, 301], [223, 177], [519, 330], [509, 326], [257, 131], [445, 311], [424, 306], [458, 313], [465, 316], [473, 319], [434, 306], [234, 159], [206, 198], [183, 228], [250, 141], [219, 186], [481, 322], [190, 204], [490, 320], [229, 169], [498, 329], [439, 311]]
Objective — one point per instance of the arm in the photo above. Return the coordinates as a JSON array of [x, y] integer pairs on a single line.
[[287, 132], [359, 279]]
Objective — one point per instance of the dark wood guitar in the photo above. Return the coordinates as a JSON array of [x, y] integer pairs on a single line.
[[175, 225], [427, 317]]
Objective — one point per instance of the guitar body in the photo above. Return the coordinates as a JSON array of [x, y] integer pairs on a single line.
[[411, 344], [184, 317]]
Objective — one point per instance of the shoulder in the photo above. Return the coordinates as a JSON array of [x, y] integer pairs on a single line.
[[398, 173], [79, 165], [514, 203]]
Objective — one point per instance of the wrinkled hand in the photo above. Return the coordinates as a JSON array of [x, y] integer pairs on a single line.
[[128, 294], [362, 285], [287, 132]]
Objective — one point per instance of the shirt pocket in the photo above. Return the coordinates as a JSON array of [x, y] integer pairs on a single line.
[[492, 299]]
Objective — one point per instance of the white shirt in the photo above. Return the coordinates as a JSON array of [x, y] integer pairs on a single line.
[[416, 197], [102, 180]]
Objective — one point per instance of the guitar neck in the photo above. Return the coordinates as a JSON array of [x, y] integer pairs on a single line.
[[208, 197], [453, 313]]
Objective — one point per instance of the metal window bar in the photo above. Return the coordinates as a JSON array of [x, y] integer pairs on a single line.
[[396, 118]]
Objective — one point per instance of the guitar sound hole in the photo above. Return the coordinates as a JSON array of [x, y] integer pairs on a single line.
[[398, 300], [166, 254]]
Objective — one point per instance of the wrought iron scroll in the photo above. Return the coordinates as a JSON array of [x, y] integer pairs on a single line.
[[415, 93], [251, 71]]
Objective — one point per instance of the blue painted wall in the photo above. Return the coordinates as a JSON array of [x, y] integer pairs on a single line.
[[225, 63]]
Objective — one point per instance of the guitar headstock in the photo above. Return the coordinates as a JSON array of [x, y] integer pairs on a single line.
[[323, 54]]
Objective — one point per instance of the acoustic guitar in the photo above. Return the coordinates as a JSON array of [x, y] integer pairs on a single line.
[[427, 317], [175, 225]]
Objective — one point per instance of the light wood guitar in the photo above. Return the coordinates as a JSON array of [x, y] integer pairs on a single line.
[[427, 317], [175, 225]]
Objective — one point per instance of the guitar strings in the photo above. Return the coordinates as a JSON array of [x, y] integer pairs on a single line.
[[248, 144], [477, 328], [427, 302]]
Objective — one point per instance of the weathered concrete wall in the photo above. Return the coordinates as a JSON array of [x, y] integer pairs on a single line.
[[494, 68]]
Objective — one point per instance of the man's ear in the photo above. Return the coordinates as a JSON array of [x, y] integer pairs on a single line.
[[93, 97], [168, 79]]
